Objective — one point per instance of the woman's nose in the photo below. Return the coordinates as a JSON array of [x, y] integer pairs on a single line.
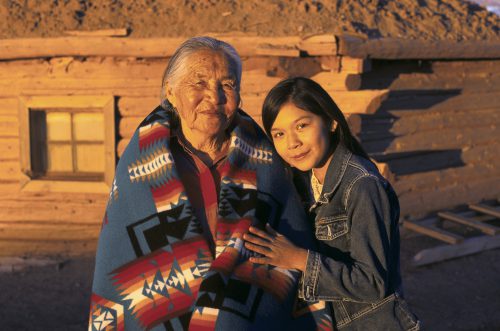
[[217, 95]]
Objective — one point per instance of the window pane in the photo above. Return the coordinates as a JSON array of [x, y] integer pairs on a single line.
[[59, 126], [90, 158], [88, 126], [60, 159]]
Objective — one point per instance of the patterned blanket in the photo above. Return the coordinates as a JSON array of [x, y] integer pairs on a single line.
[[154, 268]]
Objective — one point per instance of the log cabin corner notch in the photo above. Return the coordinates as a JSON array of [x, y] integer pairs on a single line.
[[67, 143]]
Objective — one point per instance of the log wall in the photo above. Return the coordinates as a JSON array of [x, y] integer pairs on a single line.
[[431, 125]]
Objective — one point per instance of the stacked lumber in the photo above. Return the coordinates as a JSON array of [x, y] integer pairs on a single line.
[[437, 131]]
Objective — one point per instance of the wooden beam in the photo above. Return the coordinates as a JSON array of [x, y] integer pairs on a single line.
[[325, 44], [489, 210], [446, 252], [271, 50], [29, 48], [332, 81], [483, 227], [434, 232], [394, 48]]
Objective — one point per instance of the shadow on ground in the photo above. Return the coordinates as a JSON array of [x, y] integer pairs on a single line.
[[460, 294]]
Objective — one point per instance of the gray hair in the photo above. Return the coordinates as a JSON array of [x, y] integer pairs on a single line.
[[176, 65]]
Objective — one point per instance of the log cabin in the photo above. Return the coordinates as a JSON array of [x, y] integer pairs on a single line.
[[426, 111]]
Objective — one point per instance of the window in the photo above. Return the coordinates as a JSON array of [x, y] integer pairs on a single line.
[[67, 143]]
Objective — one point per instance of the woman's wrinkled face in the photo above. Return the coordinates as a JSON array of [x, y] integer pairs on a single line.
[[300, 137], [207, 95]]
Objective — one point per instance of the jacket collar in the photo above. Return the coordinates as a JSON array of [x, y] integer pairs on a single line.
[[334, 174]]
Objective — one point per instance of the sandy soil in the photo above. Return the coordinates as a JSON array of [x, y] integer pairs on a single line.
[[458, 295], [423, 19]]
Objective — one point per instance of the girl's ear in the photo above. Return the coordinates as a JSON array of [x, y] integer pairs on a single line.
[[333, 126]]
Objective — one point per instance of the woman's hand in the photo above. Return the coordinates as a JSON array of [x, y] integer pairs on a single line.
[[276, 248]]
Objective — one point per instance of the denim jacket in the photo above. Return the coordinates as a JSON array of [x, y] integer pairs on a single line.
[[356, 267]]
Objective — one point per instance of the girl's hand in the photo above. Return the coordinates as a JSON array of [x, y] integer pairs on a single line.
[[276, 248]]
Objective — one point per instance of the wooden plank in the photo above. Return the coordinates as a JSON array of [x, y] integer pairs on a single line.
[[395, 48], [98, 33], [483, 227], [330, 63], [485, 209], [9, 149], [446, 252], [431, 231]]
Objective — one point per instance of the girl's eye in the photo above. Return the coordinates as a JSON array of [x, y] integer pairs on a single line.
[[278, 135], [301, 126]]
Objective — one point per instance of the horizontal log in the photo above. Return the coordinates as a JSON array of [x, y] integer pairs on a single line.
[[330, 63], [137, 106], [408, 103], [485, 209], [128, 125], [124, 47], [444, 177], [355, 66], [48, 231], [478, 65], [9, 126], [442, 139], [9, 187], [369, 127], [122, 144], [272, 50], [10, 170], [467, 82], [257, 81], [420, 203], [9, 106], [394, 48], [55, 212], [319, 45], [9, 149], [332, 81], [41, 248]]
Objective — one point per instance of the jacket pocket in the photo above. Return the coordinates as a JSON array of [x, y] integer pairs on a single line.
[[329, 228]]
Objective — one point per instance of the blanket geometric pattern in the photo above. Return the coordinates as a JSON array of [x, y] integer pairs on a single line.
[[154, 267]]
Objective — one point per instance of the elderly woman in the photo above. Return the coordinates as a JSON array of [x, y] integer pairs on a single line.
[[196, 175]]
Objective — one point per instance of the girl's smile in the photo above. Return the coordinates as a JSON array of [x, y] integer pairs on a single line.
[[301, 138]]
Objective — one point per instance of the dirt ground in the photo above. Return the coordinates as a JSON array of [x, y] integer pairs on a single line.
[[458, 295], [423, 19]]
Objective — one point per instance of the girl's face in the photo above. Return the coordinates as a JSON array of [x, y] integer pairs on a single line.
[[301, 138]]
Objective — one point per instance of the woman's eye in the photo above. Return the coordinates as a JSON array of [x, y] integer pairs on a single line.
[[200, 83]]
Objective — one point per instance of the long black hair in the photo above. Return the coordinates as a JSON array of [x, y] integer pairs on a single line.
[[308, 95]]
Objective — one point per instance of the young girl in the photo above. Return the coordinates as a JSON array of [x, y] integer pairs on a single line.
[[356, 264]]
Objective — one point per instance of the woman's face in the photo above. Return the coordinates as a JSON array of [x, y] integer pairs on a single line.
[[207, 95], [301, 138]]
